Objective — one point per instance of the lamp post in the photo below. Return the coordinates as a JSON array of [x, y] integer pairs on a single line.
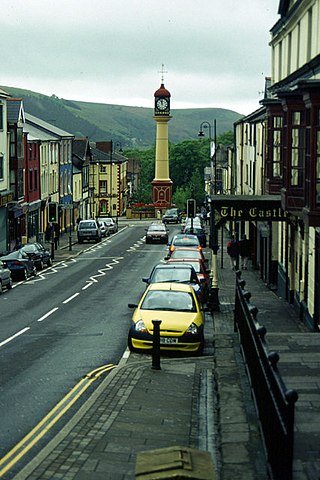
[[213, 240], [117, 144]]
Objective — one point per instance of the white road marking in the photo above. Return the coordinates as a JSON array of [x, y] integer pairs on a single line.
[[14, 336], [71, 298], [47, 314]]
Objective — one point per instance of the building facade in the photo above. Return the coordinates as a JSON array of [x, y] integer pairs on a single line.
[[277, 153]]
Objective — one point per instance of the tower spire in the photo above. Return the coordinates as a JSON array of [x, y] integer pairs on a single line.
[[162, 71]]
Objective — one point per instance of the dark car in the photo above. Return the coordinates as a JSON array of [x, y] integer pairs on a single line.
[[5, 277], [203, 273], [20, 265], [39, 254], [180, 273], [157, 232], [172, 215], [199, 232]]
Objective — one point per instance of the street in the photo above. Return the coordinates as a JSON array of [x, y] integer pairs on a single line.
[[67, 321]]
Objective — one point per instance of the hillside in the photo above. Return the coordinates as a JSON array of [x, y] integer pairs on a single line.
[[131, 126]]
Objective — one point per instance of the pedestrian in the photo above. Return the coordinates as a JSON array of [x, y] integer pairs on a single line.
[[56, 228], [48, 232], [244, 250], [233, 252]]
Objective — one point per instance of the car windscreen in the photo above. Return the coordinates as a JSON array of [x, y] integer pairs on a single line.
[[169, 301], [186, 254], [171, 275], [156, 228], [84, 226], [29, 248]]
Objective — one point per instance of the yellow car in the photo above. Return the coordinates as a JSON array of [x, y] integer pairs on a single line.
[[181, 315]]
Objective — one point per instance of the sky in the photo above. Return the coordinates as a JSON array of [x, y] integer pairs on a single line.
[[215, 53]]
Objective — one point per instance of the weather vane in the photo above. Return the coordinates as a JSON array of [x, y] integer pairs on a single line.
[[162, 71]]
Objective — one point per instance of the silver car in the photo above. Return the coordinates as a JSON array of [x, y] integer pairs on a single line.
[[89, 230], [5, 277]]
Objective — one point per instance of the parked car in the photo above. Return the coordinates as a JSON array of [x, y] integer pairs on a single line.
[[172, 215], [5, 277], [199, 232], [203, 273], [38, 253], [112, 224], [183, 240], [104, 227], [189, 253], [20, 265], [195, 222], [181, 315], [157, 232], [176, 272], [89, 230]]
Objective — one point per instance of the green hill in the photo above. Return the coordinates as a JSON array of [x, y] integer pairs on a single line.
[[131, 126]]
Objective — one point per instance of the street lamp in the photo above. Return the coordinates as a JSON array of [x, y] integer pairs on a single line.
[[213, 240], [213, 143]]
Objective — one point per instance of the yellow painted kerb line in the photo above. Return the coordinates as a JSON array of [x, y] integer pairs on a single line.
[[17, 452]]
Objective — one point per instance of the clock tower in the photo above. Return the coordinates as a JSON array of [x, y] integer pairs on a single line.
[[162, 185]]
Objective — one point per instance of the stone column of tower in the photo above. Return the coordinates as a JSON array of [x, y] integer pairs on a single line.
[[162, 185]]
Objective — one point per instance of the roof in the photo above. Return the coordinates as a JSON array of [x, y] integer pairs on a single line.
[[162, 92], [35, 133], [80, 147], [32, 120], [15, 111], [106, 157], [3, 93]]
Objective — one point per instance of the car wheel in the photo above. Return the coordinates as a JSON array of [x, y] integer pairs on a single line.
[[40, 265], [1, 288], [10, 283], [24, 274], [49, 262]]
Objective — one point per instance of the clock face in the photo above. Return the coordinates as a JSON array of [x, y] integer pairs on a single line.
[[162, 104]]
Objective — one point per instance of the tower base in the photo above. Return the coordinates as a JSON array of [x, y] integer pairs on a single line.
[[162, 193]]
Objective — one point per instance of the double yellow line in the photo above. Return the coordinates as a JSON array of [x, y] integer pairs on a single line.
[[18, 452]]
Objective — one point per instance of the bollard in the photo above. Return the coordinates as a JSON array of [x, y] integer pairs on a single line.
[[70, 243], [156, 345]]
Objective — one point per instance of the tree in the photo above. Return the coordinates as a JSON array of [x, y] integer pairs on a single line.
[[188, 160]]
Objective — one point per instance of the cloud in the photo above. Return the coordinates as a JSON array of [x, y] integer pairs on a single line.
[[215, 53]]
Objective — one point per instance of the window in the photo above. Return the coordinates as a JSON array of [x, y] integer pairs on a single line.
[[103, 186], [277, 146], [318, 163], [297, 150], [1, 117], [1, 168], [30, 180]]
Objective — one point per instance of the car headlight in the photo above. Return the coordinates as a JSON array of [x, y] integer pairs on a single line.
[[140, 326], [193, 329]]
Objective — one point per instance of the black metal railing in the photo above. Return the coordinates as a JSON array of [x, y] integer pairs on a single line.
[[275, 404]]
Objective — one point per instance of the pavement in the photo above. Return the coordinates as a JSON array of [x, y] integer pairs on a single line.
[[200, 408]]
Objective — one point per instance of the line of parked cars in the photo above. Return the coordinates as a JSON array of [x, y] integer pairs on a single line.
[[23, 263], [176, 293], [95, 229]]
